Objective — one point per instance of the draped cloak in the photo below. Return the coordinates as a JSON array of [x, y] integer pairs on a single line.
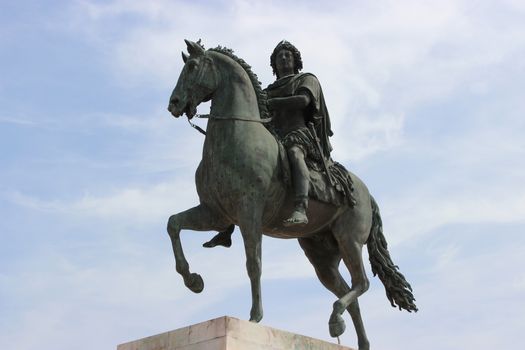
[[316, 111]]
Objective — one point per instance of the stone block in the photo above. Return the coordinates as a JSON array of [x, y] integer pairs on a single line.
[[228, 333]]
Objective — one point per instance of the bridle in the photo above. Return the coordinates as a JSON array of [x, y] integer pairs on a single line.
[[204, 85]]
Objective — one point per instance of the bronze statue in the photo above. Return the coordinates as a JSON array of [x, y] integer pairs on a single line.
[[299, 112], [243, 179]]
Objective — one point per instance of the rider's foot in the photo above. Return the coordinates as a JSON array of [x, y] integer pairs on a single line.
[[298, 218], [222, 238]]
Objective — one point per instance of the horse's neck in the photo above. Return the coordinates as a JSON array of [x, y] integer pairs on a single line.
[[235, 95], [235, 98]]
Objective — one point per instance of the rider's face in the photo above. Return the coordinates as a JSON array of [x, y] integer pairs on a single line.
[[284, 62]]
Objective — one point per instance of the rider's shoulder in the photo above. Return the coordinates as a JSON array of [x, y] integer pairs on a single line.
[[306, 74], [307, 81], [307, 78]]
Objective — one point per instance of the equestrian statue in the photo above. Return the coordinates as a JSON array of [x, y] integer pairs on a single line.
[[266, 168]]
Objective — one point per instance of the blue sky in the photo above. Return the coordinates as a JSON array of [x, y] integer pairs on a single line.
[[427, 106]]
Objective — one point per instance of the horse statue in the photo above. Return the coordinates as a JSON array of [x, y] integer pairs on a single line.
[[239, 182]]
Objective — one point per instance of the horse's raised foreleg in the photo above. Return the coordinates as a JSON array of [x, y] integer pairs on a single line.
[[251, 230], [325, 258], [199, 218]]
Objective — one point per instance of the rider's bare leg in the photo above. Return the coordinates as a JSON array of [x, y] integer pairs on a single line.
[[300, 175]]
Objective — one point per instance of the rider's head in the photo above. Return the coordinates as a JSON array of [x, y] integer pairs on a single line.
[[285, 45]]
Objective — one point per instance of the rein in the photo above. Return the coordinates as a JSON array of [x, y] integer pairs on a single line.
[[214, 117]]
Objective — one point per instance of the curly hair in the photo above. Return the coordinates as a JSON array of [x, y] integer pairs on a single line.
[[285, 45]]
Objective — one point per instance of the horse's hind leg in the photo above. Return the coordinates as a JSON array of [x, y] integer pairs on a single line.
[[199, 218], [324, 256], [350, 235]]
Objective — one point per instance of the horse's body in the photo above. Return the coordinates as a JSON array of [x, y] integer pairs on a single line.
[[239, 182]]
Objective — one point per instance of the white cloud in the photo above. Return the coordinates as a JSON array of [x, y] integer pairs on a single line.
[[134, 204], [364, 135], [18, 121], [424, 209], [377, 62]]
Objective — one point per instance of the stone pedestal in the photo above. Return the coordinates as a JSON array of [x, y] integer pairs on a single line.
[[227, 333]]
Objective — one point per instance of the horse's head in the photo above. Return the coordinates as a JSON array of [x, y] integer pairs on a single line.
[[197, 81]]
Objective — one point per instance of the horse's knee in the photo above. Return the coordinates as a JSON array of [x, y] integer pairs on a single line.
[[173, 225]]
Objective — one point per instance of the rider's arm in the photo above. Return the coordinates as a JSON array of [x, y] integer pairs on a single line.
[[299, 101]]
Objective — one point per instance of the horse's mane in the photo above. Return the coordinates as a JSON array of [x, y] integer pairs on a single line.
[[261, 95]]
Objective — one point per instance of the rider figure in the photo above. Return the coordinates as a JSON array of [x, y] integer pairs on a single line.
[[296, 101]]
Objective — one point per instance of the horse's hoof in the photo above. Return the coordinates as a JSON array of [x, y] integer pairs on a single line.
[[364, 346], [195, 283], [336, 325], [256, 318], [223, 238]]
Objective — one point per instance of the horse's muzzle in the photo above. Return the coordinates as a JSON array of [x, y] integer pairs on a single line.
[[172, 108]]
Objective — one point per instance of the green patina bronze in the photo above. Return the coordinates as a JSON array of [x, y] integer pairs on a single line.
[[278, 179]]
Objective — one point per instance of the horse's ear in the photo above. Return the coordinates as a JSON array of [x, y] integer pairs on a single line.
[[194, 49], [184, 57]]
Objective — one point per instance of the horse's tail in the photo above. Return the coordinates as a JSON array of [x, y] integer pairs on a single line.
[[398, 290]]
